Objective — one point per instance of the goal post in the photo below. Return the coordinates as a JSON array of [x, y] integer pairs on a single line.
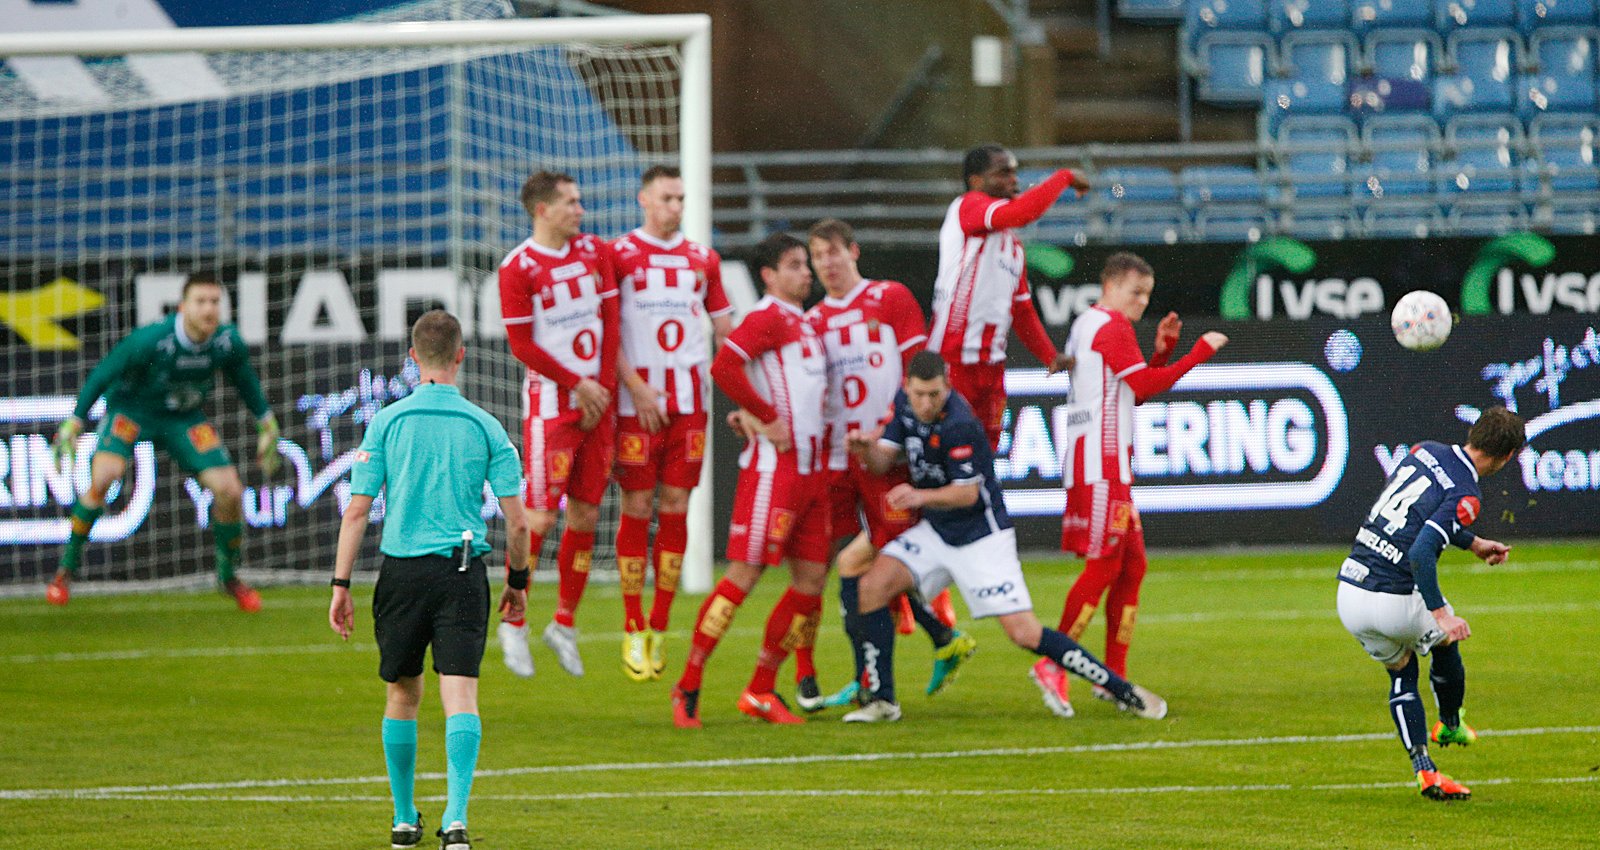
[[339, 178]]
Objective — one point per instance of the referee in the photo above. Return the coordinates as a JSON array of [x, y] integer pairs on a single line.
[[432, 451]]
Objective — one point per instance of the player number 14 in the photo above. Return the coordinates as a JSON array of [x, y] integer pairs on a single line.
[[1393, 503]]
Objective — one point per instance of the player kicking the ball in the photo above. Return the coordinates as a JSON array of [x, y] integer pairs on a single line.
[[155, 382], [669, 285], [1389, 597], [964, 537]]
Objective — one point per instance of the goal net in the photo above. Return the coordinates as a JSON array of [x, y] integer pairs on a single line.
[[340, 180]]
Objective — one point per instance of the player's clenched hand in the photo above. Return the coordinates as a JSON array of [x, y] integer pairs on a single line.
[[1454, 627], [267, 433], [1080, 185], [647, 402], [65, 442], [1062, 362], [513, 604], [777, 432], [1167, 333], [1215, 339], [1491, 551], [859, 442], [341, 612], [904, 497]]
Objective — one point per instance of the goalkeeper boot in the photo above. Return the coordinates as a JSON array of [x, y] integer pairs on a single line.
[[403, 835], [1460, 734], [808, 695], [1052, 682], [848, 695], [655, 647], [563, 641], [1437, 786], [947, 660], [59, 590], [1144, 703], [944, 609], [904, 622], [769, 707], [514, 648], [636, 656], [245, 596], [454, 837], [685, 709], [878, 710]]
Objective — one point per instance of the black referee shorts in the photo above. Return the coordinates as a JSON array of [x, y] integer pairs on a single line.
[[430, 601]]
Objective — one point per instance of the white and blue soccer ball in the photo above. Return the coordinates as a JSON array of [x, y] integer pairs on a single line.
[[1421, 320]]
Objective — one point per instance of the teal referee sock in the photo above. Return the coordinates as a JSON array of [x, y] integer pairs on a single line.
[[400, 754], [462, 732]]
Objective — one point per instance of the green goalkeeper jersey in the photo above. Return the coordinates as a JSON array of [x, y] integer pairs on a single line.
[[157, 369]]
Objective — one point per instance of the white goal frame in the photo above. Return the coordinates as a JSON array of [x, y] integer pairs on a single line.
[[692, 32]]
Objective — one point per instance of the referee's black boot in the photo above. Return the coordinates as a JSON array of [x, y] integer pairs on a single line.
[[454, 838]]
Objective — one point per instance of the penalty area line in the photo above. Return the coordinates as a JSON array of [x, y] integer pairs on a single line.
[[766, 761]]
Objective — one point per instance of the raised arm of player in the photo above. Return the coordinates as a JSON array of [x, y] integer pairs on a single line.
[[1166, 339], [1117, 346], [982, 216]]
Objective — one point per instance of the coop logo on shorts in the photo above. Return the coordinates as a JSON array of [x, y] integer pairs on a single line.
[[36, 493], [1229, 437], [996, 590]]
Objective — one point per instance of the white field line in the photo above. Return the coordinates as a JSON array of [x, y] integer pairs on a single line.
[[764, 761], [1264, 615], [592, 796], [32, 606]]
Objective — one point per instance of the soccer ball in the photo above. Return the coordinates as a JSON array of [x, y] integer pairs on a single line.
[[1421, 320]]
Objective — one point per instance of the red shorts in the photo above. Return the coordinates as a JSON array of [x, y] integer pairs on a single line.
[[780, 514], [671, 456], [559, 458], [853, 492], [983, 385], [1100, 517]]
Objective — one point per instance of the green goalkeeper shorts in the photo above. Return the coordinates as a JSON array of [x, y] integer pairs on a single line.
[[187, 438]]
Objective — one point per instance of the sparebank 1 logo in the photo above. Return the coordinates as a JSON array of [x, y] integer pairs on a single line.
[[1251, 289], [1491, 285]]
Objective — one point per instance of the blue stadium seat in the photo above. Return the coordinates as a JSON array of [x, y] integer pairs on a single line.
[[1064, 224], [1404, 54], [1565, 81], [1455, 14], [1206, 184], [1232, 66], [1149, 226], [1402, 220], [1487, 218], [1402, 151], [1565, 148], [1285, 16], [1485, 155], [1374, 14], [1314, 153], [1139, 184], [1534, 15], [1232, 223], [1485, 78], [1575, 217], [1203, 16], [1314, 67], [1318, 222], [1157, 10]]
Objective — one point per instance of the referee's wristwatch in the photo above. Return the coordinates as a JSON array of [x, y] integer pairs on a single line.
[[339, 582]]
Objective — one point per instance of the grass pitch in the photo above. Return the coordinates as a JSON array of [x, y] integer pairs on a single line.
[[173, 721]]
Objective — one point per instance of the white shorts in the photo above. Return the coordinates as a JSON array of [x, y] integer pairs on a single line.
[[1388, 624], [986, 570]]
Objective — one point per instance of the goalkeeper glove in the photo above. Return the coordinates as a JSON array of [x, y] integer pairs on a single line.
[[267, 444], [65, 443]]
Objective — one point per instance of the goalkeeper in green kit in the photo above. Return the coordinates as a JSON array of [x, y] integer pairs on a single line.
[[155, 382]]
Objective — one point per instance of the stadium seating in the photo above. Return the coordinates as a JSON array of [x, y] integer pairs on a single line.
[[1403, 54], [1374, 14], [1575, 217], [1206, 184], [1400, 155], [1455, 14], [1152, 9], [1232, 66], [1289, 15], [1315, 154], [1565, 79], [1148, 226], [1487, 64], [1565, 151], [1485, 155], [1402, 220], [1533, 15], [1232, 223], [1319, 222], [1139, 184], [1487, 218], [1203, 16]]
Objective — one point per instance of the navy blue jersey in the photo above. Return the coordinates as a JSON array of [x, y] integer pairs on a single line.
[[1436, 485], [953, 449]]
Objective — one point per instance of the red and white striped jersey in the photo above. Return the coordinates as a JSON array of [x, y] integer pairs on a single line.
[[981, 274], [786, 363], [868, 334], [667, 290], [1099, 424], [555, 297]]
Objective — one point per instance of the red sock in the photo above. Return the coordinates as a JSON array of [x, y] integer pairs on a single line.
[[633, 545], [709, 627], [1121, 604], [672, 537], [785, 627], [805, 654], [573, 559], [1085, 594], [535, 543]]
